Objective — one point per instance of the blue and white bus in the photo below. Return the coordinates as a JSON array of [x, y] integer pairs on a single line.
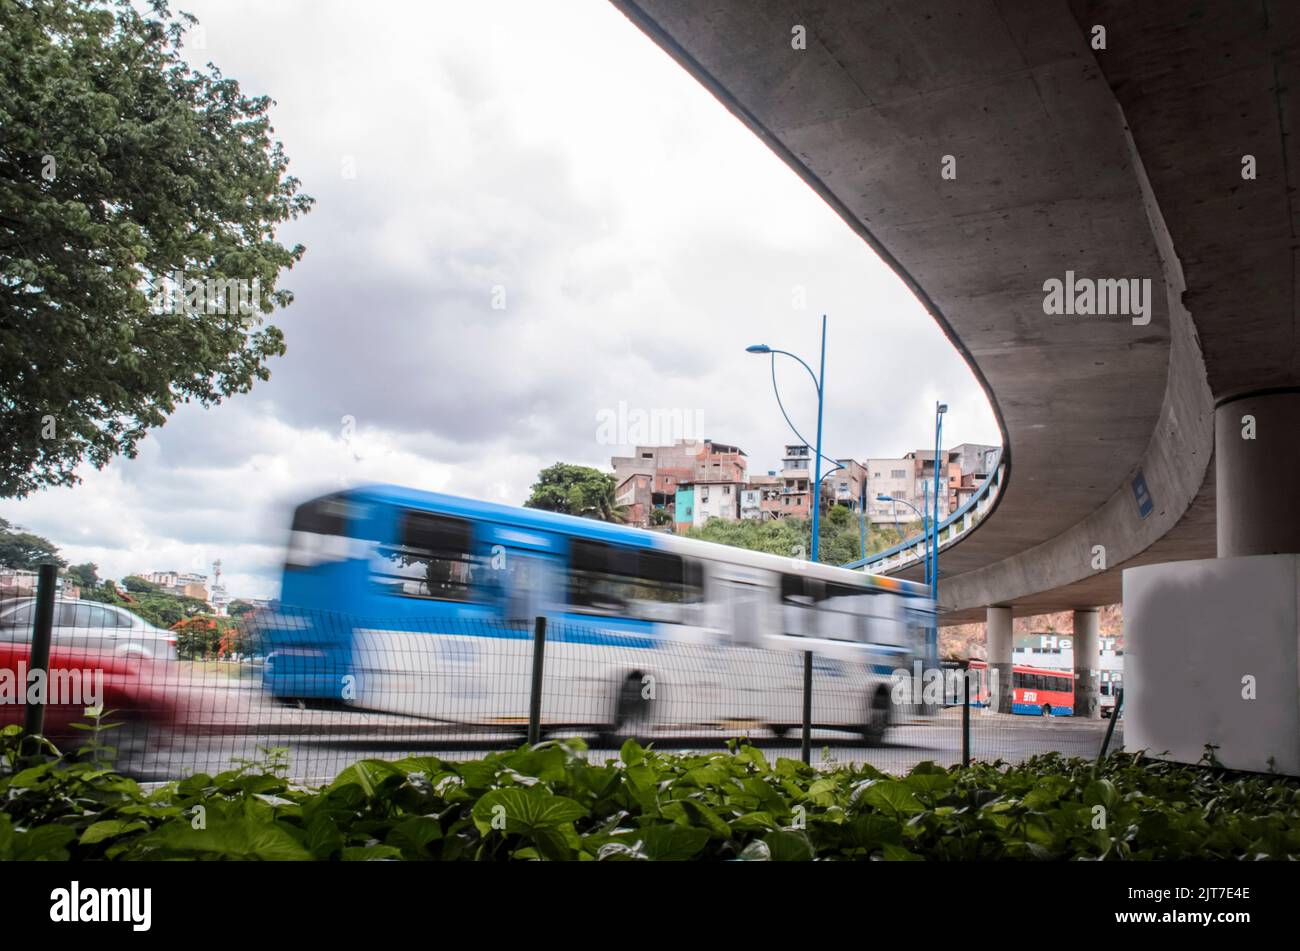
[[419, 603]]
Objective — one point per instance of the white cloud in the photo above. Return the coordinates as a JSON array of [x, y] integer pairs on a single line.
[[644, 238]]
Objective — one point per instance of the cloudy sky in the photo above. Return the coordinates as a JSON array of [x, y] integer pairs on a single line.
[[547, 159]]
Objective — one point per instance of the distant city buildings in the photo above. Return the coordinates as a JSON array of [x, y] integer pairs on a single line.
[[191, 584], [796, 477], [684, 485], [846, 485], [761, 499], [21, 583], [650, 479], [186, 584], [895, 479], [970, 465]]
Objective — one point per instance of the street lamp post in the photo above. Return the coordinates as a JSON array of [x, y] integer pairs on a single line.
[[818, 382], [817, 478], [862, 517], [932, 635]]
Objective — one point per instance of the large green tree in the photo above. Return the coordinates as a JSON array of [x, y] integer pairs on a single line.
[[120, 168], [21, 549], [85, 575], [137, 585], [164, 609], [576, 490]]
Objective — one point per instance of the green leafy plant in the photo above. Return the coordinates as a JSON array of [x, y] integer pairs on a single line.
[[549, 802]]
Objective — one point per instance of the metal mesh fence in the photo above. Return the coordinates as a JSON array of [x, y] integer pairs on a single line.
[[325, 690]]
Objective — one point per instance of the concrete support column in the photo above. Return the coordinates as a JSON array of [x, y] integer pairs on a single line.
[[1087, 664], [997, 633], [1256, 458]]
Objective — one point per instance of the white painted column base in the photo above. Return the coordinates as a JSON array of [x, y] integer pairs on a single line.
[[1212, 655]]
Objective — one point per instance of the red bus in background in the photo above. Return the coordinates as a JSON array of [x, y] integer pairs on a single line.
[[1035, 691]]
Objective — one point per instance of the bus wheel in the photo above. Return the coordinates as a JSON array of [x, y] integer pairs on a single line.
[[873, 731], [631, 714], [779, 730], [1047, 709]]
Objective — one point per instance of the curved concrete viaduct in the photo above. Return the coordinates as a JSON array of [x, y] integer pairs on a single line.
[[1151, 143]]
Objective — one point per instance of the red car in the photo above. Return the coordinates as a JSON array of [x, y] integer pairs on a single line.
[[140, 693]]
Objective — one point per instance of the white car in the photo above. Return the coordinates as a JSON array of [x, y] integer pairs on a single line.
[[89, 625]]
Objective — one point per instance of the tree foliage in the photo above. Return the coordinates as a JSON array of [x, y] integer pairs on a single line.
[[238, 608], [148, 600], [576, 490], [120, 166], [24, 550], [137, 585], [85, 575], [165, 610], [105, 593], [552, 802], [202, 636]]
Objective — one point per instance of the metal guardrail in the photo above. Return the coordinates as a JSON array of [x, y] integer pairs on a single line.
[[911, 551]]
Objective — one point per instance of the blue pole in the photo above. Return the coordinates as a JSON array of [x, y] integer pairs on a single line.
[[925, 527], [817, 478], [932, 636], [862, 517], [934, 499]]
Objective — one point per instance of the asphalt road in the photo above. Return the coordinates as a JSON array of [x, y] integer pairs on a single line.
[[321, 742]]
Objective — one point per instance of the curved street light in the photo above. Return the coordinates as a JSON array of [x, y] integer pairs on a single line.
[[932, 635], [819, 384], [882, 497]]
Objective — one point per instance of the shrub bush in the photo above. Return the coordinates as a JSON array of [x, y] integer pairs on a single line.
[[550, 802]]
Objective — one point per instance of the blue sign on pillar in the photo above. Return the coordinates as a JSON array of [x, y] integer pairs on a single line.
[[1142, 494]]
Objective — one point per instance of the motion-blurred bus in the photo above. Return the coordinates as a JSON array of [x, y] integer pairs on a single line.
[[424, 604], [1035, 691]]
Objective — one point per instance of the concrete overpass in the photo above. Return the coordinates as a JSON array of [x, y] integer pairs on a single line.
[[985, 148]]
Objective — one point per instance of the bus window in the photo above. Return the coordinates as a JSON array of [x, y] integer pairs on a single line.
[[799, 597], [432, 559], [611, 579], [526, 578], [319, 533], [842, 613]]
